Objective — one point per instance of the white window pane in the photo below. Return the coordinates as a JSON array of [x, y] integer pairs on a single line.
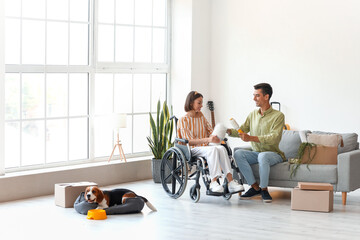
[[56, 94], [141, 131], [78, 94], [12, 8], [103, 136], [78, 138], [158, 90], [12, 144], [106, 11], [143, 12], [12, 96], [123, 93], [142, 45], [159, 13], [12, 41], [125, 11], [57, 43], [124, 44], [159, 40], [33, 92], [79, 44], [33, 9], [103, 93], [141, 93], [56, 140], [33, 42], [79, 10], [33, 142], [125, 136], [57, 9], [106, 43]]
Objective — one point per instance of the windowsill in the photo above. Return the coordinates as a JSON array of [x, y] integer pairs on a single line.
[[40, 182], [73, 166]]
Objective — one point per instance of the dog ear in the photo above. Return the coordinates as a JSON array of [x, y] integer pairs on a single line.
[[99, 194], [85, 194]]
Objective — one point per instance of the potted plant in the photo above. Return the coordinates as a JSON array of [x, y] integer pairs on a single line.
[[161, 138]]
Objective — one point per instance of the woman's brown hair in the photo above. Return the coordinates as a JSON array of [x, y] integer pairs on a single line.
[[190, 100]]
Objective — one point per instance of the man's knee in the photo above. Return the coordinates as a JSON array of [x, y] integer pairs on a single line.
[[266, 158], [239, 155]]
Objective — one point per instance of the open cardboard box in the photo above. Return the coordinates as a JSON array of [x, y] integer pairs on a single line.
[[322, 155], [66, 193], [318, 197]]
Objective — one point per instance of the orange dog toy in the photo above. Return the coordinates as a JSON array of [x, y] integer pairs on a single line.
[[235, 125]]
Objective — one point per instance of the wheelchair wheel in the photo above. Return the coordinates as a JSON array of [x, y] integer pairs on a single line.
[[194, 193], [227, 196], [173, 172]]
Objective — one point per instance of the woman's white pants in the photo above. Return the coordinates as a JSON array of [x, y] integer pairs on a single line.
[[217, 158]]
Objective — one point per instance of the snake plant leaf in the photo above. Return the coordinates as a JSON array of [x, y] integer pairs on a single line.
[[161, 131]]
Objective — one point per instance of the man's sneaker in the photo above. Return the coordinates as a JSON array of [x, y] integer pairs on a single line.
[[250, 193], [216, 187], [266, 196], [234, 186]]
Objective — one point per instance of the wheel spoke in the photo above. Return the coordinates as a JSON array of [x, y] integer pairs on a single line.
[[178, 178], [168, 164], [174, 173]]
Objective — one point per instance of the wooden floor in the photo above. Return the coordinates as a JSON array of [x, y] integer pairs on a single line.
[[210, 218]]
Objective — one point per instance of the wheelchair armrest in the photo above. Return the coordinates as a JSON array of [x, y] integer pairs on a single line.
[[182, 140]]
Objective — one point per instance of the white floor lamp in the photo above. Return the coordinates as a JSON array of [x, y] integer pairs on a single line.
[[119, 121]]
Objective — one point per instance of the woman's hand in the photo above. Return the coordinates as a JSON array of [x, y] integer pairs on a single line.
[[213, 139]]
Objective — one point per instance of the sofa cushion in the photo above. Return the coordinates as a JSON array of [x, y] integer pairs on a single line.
[[317, 173], [328, 140], [350, 141], [290, 143]]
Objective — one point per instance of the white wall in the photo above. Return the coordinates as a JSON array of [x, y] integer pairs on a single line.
[[181, 53], [2, 92], [190, 62], [309, 51]]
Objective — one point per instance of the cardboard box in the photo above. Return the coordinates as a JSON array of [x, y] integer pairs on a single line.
[[315, 186], [66, 193], [312, 200], [323, 155]]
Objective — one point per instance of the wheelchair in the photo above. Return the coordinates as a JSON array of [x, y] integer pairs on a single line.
[[175, 166]]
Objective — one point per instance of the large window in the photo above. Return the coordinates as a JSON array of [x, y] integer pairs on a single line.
[[72, 64]]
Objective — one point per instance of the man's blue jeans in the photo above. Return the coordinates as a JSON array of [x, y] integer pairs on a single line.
[[245, 158]]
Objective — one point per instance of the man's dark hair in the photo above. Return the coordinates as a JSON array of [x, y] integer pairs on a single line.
[[190, 100], [265, 88]]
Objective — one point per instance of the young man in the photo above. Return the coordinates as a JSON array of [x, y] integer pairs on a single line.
[[265, 126]]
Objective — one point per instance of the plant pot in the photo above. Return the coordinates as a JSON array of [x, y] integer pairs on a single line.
[[156, 169]]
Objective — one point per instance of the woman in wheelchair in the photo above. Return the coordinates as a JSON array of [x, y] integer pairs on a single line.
[[196, 129]]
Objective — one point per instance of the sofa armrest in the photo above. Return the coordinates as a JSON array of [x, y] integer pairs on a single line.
[[348, 171]]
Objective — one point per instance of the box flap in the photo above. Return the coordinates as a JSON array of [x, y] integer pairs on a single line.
[[315, 186]]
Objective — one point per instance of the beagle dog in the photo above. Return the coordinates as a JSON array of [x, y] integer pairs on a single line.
[[106, 199]]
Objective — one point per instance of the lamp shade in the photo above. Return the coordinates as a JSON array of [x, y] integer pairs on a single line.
[[119, 121]]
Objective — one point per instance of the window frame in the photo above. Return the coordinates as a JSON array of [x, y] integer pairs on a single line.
[[91, 69]]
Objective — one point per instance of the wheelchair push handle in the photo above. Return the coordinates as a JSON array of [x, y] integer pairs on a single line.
[[182, 140]]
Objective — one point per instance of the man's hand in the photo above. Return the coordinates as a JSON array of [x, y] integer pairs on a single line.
[[247, 138]]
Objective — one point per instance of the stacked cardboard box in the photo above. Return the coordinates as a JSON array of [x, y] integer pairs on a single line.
[[317, 197], [66, 193]]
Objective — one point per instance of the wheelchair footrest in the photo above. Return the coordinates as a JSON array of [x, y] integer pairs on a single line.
[[238, 192], [209, 192]]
